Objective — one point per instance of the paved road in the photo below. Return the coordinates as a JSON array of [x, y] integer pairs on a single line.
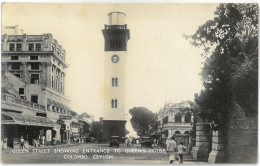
[[90, 153]]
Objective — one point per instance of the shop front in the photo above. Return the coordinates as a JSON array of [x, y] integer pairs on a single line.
[[33, 129]]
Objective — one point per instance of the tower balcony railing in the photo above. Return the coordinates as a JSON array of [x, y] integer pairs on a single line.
[[11, 101], [116, 27]]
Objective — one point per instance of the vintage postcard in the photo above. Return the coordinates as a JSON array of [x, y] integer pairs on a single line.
[[129, 83]]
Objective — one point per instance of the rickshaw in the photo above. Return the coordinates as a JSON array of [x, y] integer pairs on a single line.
[[114, 141]]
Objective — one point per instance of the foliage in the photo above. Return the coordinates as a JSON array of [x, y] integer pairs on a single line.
[[96, 130], [230, 71], [143, 120]]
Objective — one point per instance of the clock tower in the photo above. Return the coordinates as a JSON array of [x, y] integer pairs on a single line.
[[116, 36]]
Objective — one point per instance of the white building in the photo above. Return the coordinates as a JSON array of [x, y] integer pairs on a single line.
[[175, 118]]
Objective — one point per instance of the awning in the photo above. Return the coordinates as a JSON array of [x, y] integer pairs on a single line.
[[58, 104], [21, 119]]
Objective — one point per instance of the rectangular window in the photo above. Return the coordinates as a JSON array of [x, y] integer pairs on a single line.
[[52, 48], [21, 91], [34, 99], [58, 53], [116, 103], [31, 47], [11, 47], [178, 118], [35, 66], [187, 119], [52, 82], [112, 104], [14, 58], [38, 47], [17, 75], [35, 78], [116, 82], [113, 82], [18, 47], [15, 66], [33, 57]]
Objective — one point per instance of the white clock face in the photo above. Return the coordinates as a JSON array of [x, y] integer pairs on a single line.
[[115, 58]]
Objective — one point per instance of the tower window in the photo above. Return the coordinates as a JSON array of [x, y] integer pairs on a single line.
[[114, 82], [114, 103], [11, 47], [31, 47]]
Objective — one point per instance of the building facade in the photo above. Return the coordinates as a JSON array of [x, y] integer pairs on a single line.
[[116, 37], [175, 118], [33, 71]]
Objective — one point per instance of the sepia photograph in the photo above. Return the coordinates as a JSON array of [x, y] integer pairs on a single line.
[[129, 83]]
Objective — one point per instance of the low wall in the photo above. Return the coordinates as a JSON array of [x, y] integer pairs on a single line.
[[242, 140]]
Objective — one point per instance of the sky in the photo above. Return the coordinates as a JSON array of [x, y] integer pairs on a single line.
[[161, 65]]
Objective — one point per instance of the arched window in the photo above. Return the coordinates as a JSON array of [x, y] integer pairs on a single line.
[[178, 117], [187, 117], [187, 133], [177, 132]]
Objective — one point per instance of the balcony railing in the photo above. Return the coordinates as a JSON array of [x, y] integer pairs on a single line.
[[20, 103], [115, 27]]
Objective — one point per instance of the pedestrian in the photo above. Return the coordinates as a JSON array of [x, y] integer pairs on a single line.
[[137, 143], [43, 140], [128, 142], [2, 145], [181, 149], [22, 143], [79, 140], [5, 143], [54, 141], [132, 142], [171, 148]]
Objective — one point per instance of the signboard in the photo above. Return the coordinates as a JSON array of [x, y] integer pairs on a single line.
[[65, 117]]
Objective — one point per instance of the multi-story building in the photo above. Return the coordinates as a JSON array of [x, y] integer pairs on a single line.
[[38, 63], [175, 118]]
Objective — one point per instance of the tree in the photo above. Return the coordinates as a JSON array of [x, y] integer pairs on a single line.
[[97, 130], [230, 72], [143, 120]]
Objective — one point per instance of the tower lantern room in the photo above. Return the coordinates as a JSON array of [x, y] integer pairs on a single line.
[[116, 18]]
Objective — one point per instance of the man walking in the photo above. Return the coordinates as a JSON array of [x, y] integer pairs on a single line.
[[181, 148], [171, 148]]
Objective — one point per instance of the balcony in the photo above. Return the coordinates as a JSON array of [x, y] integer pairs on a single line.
[[177, 124], [10, 102], [116, 27]]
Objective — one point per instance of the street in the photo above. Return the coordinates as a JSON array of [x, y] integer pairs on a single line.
[[91, 153]]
